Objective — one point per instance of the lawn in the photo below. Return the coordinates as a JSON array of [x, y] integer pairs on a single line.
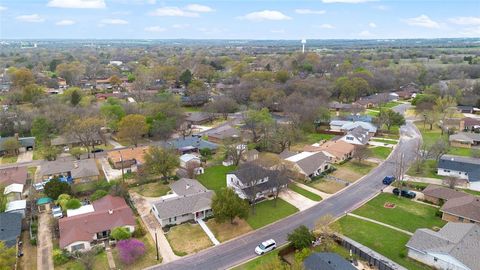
[[385, 241], [259, 261], [85, 187], [381, 152], [148, 259], [214, 177], [305, 193], [155, 189], [352, 170], [314, 137], [327, 186], [101, 263], [386, 141], [428, 169], [266, 212], [226, 231], [473, 192], [8, 159], [391, 104], [459, 151], [187, 238], [407, 215], [431, 136]]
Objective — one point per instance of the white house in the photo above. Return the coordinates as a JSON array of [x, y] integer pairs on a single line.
[[466, 168], [252, 179], [344, 126], [310, 164], [357, 136]]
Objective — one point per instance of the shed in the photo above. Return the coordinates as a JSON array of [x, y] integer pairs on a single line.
[[44, 204]]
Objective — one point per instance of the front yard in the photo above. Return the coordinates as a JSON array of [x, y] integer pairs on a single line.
[[187, 238], [226, 231], [381, 152], [214, 177], [305, 193], [148, 259], [155, 189], [431, 136], [266, 212], [407, 215], [427, 169], [383, 240], [327, 186], [101, 263], [352, 170], [8, 159]]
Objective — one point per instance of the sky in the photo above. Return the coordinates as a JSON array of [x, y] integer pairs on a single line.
[[239, 19]]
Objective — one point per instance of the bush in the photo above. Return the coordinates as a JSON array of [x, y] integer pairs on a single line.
[[59, 257], [139, 230], [98, 195], [120, 233], [54, 188], [73, 204], [301, 238], [130, 250], [33, 241]]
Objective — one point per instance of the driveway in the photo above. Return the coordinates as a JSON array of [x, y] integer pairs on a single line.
[[44, 243], [232, 253], [297, 200], [26, 156], [143, 208]]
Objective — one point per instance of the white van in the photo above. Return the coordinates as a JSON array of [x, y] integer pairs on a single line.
[[265, 247]]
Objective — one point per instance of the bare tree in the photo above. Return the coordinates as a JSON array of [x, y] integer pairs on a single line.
[[191, 168], [252, 175], [185, 130], [451, 182], [280, 179], [361, 153], [325, 228], [234, 151], [87, 131]]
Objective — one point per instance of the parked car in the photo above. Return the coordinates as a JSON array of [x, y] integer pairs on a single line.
[[404, 193], [57, 212], [388, 180], [266, 246], [97, 150]]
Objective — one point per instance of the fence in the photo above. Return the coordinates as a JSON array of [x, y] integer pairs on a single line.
[[368, 255]]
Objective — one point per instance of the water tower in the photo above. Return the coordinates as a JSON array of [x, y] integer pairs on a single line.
[[304, 41]]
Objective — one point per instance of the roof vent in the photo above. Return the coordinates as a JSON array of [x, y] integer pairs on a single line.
[[110, 211], [187, 186], [75, 164]]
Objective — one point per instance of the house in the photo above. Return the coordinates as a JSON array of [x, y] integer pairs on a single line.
[[345, 107], [469, 124], [376, 99], [14, 191], [339, 150], [26, 143], [129, 158], [344, 126], [465, 109], [462, 209], [10, 228], [408, 91], [189, 144], [217, 135], [357, 136], [455, 246], [18, 206], [79, 171], [465, 139], [187, 160], [466, 168], [310, 164], [72, 141], [326, 261], [14, 175], [251, 179], [198, 118], [439, 195], [358, 117], [189, 200], [81, 232]]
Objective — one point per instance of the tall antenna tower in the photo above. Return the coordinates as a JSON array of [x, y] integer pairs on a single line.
[[304, 41]]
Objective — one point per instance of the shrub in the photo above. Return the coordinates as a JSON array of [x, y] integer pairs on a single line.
[[54, 188], [62, 200], [33, 241], [98, 195], [130, 250], [120, 233], [301, 238], [59, 257], [73, 204], [139, 230]]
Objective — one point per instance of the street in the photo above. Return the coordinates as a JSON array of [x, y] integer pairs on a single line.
[[239, 250]]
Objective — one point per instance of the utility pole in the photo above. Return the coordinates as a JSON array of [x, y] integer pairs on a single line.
[[121, 160], [156, 245]]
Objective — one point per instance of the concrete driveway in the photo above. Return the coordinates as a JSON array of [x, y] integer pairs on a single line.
[[44, 243], [26, 156], [296, 199]]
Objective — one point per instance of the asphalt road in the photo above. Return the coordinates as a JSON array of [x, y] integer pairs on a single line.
[[241, 249]]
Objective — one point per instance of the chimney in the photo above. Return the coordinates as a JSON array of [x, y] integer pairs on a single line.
[[110, 211], [75, 164], [187, 186]]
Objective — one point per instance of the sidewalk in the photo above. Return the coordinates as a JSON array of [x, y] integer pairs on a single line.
[[380, 223], [44, 243], [422, 179], [208, 232], [115, 144]]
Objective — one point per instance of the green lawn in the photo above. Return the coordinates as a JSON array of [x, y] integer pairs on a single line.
[[384, 141], [458, 151], [305, 193], [317, 137], [381, 152], [391, 104], [266, 212], [373, 113], [473, 192], [8, 159], [428, 169], [101, 263], [383, 240], [259, 261], [155, 189], [214, 177], [84, 187], [407, 215], [431, 136], [327, 186]]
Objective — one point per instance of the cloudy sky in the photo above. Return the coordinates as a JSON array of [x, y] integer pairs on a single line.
[[239, 19]]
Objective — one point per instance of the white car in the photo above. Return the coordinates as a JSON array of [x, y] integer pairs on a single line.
[[57, 212], [265, 247]]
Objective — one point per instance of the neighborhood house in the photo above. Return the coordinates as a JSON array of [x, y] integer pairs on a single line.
[[357, 136], [129, 158], [465, 139], [310, 164], [10, 228], [252, 182], [466, 168], [79, 171]]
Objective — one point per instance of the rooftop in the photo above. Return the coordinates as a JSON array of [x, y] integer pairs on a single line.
[[10, 228], [17, 175], [77, 168], [136, 154]]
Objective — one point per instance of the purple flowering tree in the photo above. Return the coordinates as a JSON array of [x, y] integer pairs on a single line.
[[130, 250]]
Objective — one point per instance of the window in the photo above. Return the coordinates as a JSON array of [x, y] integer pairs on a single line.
[[460, 219], [446, 170], [349, 138], [78, 247], [435, 259]]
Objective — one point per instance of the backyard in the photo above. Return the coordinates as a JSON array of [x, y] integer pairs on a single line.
[[407, 214], [226, 231], [385, 241], [266, 212], [380, 152], [187, 238], [155, 189], [214, 177]]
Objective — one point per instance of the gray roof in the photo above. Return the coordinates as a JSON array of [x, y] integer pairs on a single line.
[[469, 137], [463, 164], [459, 240], [467, 207], [223, 132], [24, 142], [311, 163], [286, 154], [327, 261], [187, 186], [77, 168], [189, 142], [361, 134], [10, 228], [198, 117], [177, 206], [250, 172], [442, 192]]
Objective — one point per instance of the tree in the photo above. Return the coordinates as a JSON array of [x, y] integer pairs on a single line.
[[391, 118], [120, 233], [132, 127], [86, 258], [11, 145], [130, 250], [77, 152], [234, 151], [115, 81], [112, 112], [71, 72], [451, 182], [223, 105], [361, 153], [75, 97], [88, 131], [444, 106], [32, 93], [301, 237], [257, 122], [227, 206], [280, 180], [325, 228], [186, 77], [251, 178], [62, 200], [41, 129], [55, 187], [191, 168], [161, 161], [73, 204], [98, 194], [49, 153], [7, 256], [3, 199]]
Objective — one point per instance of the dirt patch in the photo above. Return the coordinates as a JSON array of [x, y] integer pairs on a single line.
[[389, 205], [327, 186], [225, 231]]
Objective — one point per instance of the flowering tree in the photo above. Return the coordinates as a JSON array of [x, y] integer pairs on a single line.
[[130, 250]]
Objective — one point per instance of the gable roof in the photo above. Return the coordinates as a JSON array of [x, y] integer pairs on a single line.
[[467, 206], [136, 153], [186, 204], [10, 228], [198, 117], [442, 192], [463, 164], [327, 261], [469, 137], [186, 186], [249, 170], [349, 125], [337, 148], [14, 175], [24, 142], [110, 212], [309, 162], [459, 240], [77, 168], [361, 134], [189, 142]]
